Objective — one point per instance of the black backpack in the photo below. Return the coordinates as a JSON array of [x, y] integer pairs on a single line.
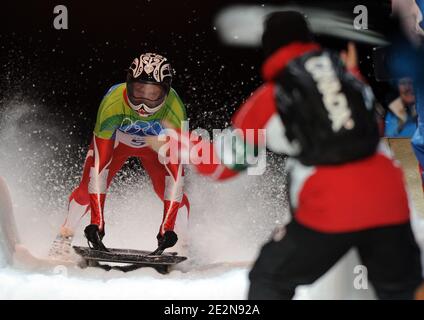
[[327, 111]]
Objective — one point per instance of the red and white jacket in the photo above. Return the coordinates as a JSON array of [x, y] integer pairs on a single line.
[[344, 198]]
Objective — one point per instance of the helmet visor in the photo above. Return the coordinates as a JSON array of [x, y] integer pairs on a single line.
[[150, 94]]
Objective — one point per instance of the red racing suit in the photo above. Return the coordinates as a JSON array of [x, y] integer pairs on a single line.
[[118, 135], [354, 196]]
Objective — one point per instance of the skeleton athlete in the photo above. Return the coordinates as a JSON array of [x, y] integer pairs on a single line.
[[128, 113]]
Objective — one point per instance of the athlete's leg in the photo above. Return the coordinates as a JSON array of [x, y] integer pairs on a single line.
[[392, 258], [168, 183], [296, 256], [79, 201]]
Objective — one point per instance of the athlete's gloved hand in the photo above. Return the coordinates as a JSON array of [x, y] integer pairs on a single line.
[[169, 239]]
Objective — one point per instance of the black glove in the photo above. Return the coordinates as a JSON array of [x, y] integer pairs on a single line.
[[169, 239]]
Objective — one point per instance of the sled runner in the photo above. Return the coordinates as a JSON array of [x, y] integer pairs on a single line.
[[131, 259]]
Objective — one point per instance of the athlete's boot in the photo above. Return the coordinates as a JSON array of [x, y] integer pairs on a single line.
[[167, 240], [95, 237]]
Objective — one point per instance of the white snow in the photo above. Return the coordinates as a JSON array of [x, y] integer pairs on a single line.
[[228, 224], [146, 284]]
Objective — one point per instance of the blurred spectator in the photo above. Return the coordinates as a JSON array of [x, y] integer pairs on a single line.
[[401, 119]]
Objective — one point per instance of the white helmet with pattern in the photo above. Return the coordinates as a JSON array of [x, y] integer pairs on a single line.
[[149, 80]]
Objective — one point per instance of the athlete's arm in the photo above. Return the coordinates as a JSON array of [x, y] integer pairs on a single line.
[[255, 125], [103, 142]]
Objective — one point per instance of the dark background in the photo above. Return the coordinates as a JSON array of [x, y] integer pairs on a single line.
[[68, 71]]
